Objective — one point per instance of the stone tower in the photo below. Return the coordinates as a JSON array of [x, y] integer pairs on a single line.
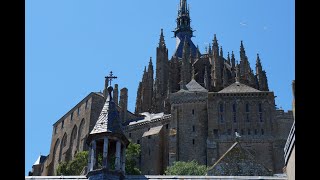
[[162, 75], [107, 139]]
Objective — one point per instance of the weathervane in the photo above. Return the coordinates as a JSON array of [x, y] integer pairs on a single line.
[[110, 77]]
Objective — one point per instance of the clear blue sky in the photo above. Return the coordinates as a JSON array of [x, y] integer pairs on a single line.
[[72, 45]]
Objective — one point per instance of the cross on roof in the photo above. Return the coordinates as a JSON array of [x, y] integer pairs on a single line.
[[110, 77]]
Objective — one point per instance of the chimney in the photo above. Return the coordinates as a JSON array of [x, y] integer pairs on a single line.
[[115, 94], [123, 104]]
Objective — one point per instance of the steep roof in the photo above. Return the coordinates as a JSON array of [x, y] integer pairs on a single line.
[[237, 161], [194, 86], [40, 160], [238, 88], [108, 120]]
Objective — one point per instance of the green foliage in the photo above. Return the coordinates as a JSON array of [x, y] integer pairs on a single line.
[[186, 168], [75, 166], [132, 154]]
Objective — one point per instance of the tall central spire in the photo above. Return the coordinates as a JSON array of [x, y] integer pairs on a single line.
[[183, 30], [183, 20], [183, 6]]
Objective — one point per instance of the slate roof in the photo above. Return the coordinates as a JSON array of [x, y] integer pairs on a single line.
[[238, 88], [108, 120], [152, 131], [237, 161], [194, 86], [40, 160]]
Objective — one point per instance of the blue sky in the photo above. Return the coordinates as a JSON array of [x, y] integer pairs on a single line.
[[72, 45]]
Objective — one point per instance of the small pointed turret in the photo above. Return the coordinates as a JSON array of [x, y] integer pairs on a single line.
[[162, 43], [215, 46], [233, 60], [228, 59], [221, 51]]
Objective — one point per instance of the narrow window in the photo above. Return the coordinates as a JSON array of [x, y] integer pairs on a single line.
[[255, 132], [248, 118], [221, 107], [71, 116], [62, 124], [192, 111], [234, 108], [234, 117], [129, 134], [86, 107], [247, 107], [221, 118], [193, 141], [55, 130], [78, 111], [260, 117], [260, 107], [138, 141], [167, 126], [262, 132], [249, 132], [193, 128]]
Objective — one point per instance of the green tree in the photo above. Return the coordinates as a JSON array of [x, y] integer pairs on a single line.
[[132, 154], [75, 166], [186, 168]]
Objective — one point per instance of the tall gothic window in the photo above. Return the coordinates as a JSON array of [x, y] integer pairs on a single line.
[[221, 112]]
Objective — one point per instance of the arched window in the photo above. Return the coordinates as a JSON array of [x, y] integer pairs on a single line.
[[72, 139], [54, 157], [63, 144], [80, 133]]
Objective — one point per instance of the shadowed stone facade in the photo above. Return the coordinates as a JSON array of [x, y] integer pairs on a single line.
[[189, 111]]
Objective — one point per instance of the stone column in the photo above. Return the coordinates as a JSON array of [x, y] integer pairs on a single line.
[[93, 155], [105, 152], [117, 161], [89, 159], [123, 160]]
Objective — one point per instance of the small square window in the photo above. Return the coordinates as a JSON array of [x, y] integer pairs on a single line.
[[149, 137], [138, 141]]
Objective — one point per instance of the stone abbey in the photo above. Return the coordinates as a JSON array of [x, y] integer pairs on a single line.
[[190, 110]]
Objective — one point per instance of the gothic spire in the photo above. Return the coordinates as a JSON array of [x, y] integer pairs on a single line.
[[228, 59], [183, 20], [237, 73], [233, 60], [161, 41], [221, 51]]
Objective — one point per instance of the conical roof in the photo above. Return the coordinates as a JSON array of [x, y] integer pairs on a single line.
[[108, 120]]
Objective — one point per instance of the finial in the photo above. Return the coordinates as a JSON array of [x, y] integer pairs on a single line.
[[110, 77]]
